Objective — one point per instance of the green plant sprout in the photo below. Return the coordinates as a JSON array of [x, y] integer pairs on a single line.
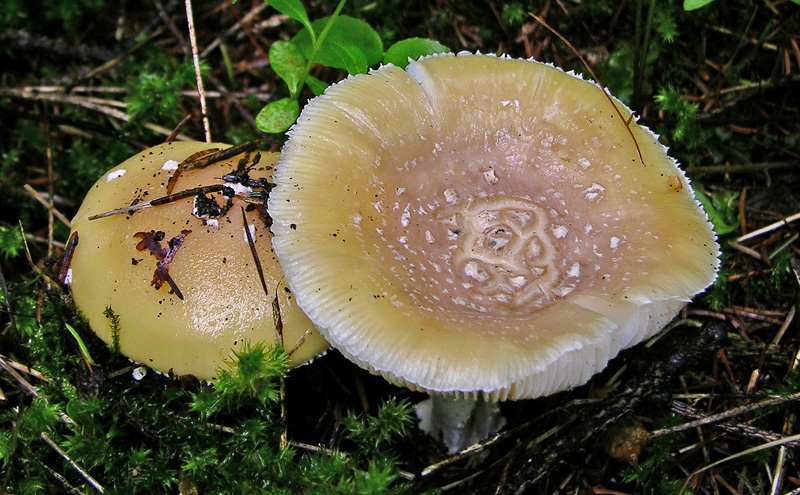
[[337, 41]]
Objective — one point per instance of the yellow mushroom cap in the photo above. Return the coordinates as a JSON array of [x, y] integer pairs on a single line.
[[477, 225], [223, 305]]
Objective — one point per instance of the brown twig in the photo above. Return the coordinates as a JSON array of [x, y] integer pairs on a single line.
[[198, 75], [723, 416], [47, 204]]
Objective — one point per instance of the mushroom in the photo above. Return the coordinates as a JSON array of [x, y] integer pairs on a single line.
[[482, 227], [175, 285]]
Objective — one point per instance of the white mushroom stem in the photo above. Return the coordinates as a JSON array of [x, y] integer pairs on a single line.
[[459, 422]]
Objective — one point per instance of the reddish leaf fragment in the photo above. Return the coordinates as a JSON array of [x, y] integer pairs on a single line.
[[151, 241], [66, 258]]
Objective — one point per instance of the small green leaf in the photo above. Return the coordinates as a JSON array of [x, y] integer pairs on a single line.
[[288, 62], [317, 87], [695, 4], [294, 9], [353, 59], [278, 116], [345, 31], [412, 48], [721, 210]]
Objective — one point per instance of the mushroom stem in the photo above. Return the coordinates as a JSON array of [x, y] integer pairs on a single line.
[[459, 422]]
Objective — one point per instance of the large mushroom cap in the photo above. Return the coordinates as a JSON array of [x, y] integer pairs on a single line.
[[478, 225], [211, 263]]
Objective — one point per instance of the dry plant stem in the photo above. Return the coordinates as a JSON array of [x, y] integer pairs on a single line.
[[233, 99], [746, 250], [52, 472], [23, 368], [85, 102], [188, 193], [178, 129], [247, 32], [196, 60], [240, 22], [731, 413], [463, 454], [734, 429], [770, 227], [256, 93], [752, 41], [753, 450], [776, 318], [48, 204], [23, 383], [785, 325], [97, 486]]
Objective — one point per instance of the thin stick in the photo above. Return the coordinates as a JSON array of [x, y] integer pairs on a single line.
[[239, 24], [162, 200], [259, 269], [746, 250], [178, 129], [785, 325], [90, 103], [196, 60], [726, 415], [48, 204], [24, 368], [627, 122], [26, 386], [770, 227], [97, 486]]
